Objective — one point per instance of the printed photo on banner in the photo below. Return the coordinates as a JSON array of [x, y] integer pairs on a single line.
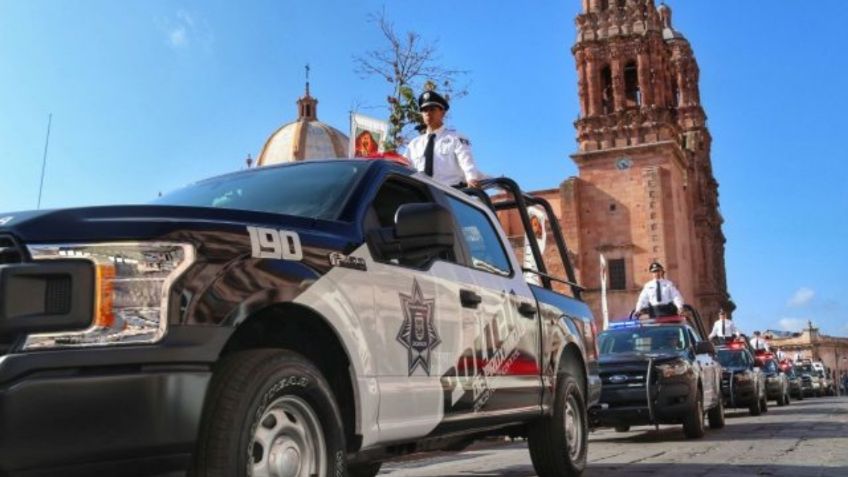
[[367, 135]]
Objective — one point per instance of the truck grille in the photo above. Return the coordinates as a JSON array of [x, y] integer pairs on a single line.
[[10, 252]]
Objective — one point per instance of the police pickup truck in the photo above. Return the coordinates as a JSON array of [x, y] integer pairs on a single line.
[[743, 383], [658, 371], [313, 319]]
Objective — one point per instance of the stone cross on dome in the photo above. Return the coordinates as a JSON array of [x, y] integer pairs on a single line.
[[307, 106]]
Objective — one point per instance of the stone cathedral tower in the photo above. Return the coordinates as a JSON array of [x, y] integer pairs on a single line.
[[645, 189]]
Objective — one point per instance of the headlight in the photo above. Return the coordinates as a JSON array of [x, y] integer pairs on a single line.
[[673, 369], [132, 281]]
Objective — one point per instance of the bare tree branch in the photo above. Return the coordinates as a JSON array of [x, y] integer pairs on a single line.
[[410, 65]]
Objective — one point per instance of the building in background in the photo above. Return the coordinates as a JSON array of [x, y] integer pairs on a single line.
[[305, 138], [645, 189], [810, 344]]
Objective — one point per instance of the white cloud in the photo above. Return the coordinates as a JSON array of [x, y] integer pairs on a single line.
[[178, 37], [792, 324], [801, 297], [185, 30]]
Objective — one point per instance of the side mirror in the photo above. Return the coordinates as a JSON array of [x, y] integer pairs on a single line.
[[705, 347], [421, 230]]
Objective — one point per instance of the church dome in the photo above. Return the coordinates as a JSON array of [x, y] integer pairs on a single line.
[[304, 139]]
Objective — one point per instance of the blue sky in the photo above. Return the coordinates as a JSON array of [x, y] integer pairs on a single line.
[[147, 96]]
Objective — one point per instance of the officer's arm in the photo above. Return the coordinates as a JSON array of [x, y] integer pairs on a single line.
[[676, 297], [642, 302], [465, 159], [716, 327]]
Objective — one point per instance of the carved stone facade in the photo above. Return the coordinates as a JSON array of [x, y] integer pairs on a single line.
[[645, 189]]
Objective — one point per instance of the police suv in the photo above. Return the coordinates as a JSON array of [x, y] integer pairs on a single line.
[[743, 383], [658, 371], [311, 319]]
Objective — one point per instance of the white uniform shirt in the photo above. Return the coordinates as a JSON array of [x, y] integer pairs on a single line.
[[668, 294], [729, 329], [453, 161], [758, 343]]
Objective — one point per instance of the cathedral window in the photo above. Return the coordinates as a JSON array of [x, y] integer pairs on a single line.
[[606, 90], [604, 4], [631, 85], [617, 275], [621, 3]]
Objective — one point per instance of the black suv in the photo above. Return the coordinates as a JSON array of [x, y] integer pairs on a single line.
[[742, 382], [658, 372], [777, 383], [796, 386]]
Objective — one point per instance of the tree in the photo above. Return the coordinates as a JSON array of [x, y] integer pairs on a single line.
[[410, 65]]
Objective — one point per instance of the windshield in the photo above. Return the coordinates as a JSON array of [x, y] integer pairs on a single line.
[[731, 358], [805, 368], [643, 340], [770, 367], [306, 189]]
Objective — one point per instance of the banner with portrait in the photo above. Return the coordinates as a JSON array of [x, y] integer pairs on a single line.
[[367, 135]]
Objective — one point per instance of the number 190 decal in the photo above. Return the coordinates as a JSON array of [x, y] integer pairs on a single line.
[[271, 243]]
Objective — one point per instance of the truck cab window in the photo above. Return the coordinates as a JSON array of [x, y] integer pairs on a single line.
[[484, 246]]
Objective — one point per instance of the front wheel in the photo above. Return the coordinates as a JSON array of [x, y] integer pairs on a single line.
[[755, 409], [764, 404], [693, 423], [716, 415], [269, 412], [622, 428], [558, 443]]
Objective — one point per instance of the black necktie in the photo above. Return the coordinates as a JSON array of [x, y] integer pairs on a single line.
[[428, 154], [659, 293]]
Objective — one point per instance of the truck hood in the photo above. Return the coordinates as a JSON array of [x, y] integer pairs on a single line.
[[619, 359], [139, 222]]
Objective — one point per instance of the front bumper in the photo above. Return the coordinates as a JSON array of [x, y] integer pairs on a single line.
[[108, 411], [743, 395], [774, 389], [670, 402]]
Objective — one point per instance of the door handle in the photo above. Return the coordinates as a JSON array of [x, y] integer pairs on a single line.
[[469, 299], [527, 309]]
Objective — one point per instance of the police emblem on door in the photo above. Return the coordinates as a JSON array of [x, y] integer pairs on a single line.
[[418, 333]]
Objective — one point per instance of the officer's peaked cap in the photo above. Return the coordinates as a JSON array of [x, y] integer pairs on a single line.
[[656, 267], [432, 98]]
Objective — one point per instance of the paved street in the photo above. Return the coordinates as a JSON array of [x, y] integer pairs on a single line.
[[806, 438]]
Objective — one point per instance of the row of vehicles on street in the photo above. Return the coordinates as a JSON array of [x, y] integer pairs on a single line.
[[318, 318], [662, 371]]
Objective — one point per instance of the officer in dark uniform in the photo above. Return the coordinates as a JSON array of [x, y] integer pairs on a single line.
[[442, 153]]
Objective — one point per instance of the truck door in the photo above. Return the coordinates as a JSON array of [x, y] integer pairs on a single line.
[[414, 326], [499, 367]]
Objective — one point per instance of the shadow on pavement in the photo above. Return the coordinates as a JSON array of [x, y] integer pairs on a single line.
[[670, 470], [734, 431], [712, 470]]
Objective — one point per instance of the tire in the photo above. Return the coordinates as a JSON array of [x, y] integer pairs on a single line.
[[558, 444], [693, 422], [781, 400], [269, 396], [622, 428], [715, 416], [764, 404], [800, 396], [364, 470], [755, 409]]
